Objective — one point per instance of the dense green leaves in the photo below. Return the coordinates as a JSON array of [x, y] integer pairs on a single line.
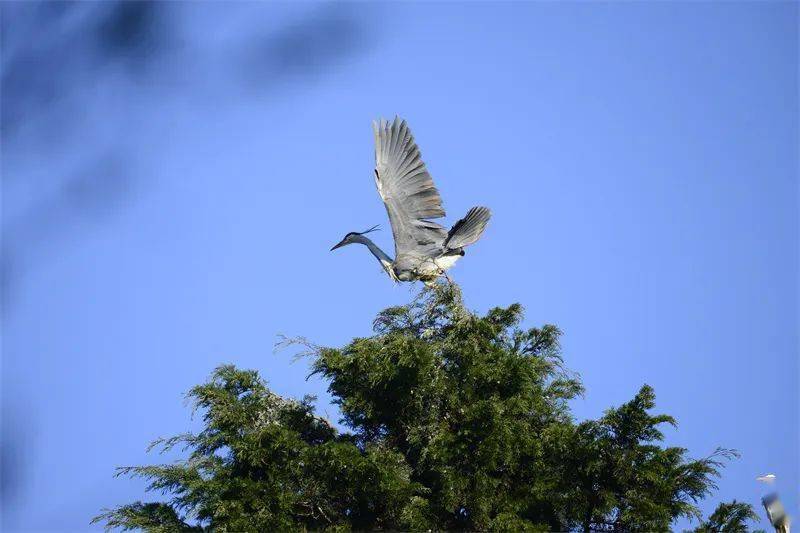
[[263, 463], [729, 518], [457, 421], [616, 475]]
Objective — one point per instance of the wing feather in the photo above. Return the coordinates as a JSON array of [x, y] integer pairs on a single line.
[[407, 190], [469, 229]]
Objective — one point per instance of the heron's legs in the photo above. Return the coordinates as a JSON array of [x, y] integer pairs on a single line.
[[444, 273]]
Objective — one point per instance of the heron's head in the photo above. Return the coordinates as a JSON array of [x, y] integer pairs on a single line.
[[353, 236]]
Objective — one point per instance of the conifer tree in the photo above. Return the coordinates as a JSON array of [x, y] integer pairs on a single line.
[[455, 421], [729, 518]]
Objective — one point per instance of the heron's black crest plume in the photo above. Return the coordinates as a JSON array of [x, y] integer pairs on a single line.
[[376, 227]]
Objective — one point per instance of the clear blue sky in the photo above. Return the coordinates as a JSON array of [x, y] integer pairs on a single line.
[[174, 175]]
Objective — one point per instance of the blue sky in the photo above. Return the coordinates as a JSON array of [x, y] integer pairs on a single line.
[[175, 174]]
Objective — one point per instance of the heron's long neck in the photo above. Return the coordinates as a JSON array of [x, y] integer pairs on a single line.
[[380, 255]]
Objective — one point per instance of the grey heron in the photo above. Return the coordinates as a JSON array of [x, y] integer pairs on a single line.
[[424, 250]]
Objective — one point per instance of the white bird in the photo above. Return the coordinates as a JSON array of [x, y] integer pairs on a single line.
[[769, 478]]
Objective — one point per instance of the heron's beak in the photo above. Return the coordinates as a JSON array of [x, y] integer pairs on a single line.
[[338, 245]]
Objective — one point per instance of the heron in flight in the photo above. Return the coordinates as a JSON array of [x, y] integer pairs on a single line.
[[424, 250]]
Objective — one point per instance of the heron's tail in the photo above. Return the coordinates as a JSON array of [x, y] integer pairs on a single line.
[[469, 229]]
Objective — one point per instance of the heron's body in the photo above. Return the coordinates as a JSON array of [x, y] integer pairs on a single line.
[[411, 267], [424, 250]]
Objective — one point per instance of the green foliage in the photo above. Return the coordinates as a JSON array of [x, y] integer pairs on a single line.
[[457, 422], [729, 518], [615, 474]]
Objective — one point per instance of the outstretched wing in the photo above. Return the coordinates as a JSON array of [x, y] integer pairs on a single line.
[[469, 229], [407, 190]]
